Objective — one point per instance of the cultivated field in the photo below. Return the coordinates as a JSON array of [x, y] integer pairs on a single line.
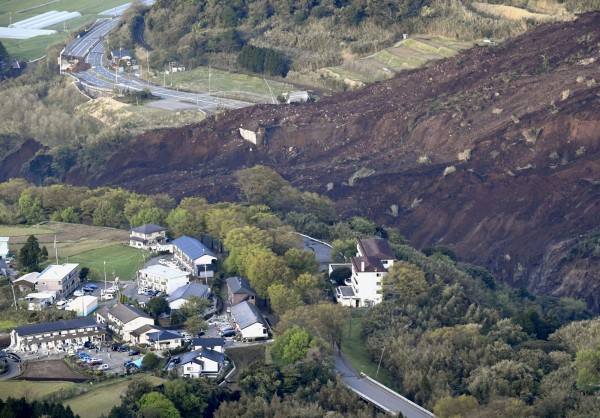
[[51, 370], [17, 10], [30, 390], [100, 400], [90, 246]]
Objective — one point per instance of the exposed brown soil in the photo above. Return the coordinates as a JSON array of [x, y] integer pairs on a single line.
[[54, 370], [527, 110]]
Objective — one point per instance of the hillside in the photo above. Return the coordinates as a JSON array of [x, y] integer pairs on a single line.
[[493, 153]]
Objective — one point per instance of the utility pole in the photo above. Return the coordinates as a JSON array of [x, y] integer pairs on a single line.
[[379, 365], [105, 277], [55, 250], [209, 75], [14, 297]]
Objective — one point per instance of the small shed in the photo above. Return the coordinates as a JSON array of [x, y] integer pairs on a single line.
[[83, 305]]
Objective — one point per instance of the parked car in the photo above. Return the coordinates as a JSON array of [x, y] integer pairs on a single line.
[[71, 352], [115, 347], [61, 304], [176, 360], [78, 292], [122, 349], [103, 367], [134, 352], [228, 333], [142, 291], [87, 289], [82, 355], [92, 286], [89, 345], [95, 362]]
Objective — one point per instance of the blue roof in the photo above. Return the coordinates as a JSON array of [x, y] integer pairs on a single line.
[[192, 248]]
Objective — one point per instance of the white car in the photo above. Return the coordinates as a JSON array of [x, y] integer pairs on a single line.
[[78, 292], [142, 291]]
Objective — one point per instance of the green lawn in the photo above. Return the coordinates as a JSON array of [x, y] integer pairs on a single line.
[[353, 347], [15, 231], [101, 400], [30, 390], [121, 259]]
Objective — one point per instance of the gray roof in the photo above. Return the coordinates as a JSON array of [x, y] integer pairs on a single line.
[[240, 285], [367, 264], [141, 330], [125, 313], [189, 356], [212, 355], [246, 314], [63, 325], [190, 289], [346, 291], [149, 229], [116, 53], [376, 247], [208, 342], [164, 335], [192, 247]]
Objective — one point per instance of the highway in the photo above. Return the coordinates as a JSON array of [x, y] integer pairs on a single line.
[[377, 394], [91, 46]]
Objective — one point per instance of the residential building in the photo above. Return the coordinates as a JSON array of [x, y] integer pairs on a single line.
[[148, 236], [51, 335], [194, 257], [124, 319], [239, 290], [63, 279], [161, 278], [249, 322], [39, 301], [3, 247], [364, 289], [164, 339], [139, 335], [201, 362], [120, 54], [296, 97], [180, 296], [28, 281], [83, 305], [215, 344]]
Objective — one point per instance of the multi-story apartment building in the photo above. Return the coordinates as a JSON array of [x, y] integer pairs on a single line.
[[62, 279], [161, 278]]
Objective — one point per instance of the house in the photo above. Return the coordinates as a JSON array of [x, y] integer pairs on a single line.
[[27, 281], [124, 319], [364, 288], [148, 236], [249, 321], [40, 300], [215, 344], [163, 339], [296, 97], [55, 334], [3, 247], [194, 256], [120, 54], [239, 290], [162, 278], [139, 335], [63, 279], [83, 305], [201, 362], [181, 295]]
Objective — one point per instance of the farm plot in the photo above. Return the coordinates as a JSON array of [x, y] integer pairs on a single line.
[[55, 370]]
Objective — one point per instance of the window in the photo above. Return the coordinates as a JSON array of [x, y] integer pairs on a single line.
[[378, 283]]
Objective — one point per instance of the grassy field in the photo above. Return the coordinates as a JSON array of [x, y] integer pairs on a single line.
[[20, 231], [122, 260], [99, 401], [252, 88], [30, 390], [353, 347], [17, 10], [243, 357]]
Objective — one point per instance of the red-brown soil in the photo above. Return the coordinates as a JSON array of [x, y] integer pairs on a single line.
[[514, 206]]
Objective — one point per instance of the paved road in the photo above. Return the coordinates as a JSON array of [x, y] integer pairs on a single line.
[[84, 44], [322, 251], [387, 400]]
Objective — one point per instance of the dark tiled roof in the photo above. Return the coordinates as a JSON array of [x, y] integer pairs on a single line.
[[126, 313], [346, 291], [192, 247], [138, 239], [190, 356], [239, 285], [190, 289], [120, 53], [149, 229], [367, 264], [164, 335], [212, 355], [143, 329], [246, 314], [208, 342], [376, 247], [63, 325]]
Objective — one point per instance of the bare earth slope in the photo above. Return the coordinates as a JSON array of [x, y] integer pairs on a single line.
[[516, 129]]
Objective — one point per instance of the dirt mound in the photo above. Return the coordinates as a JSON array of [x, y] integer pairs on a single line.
[[493, 152]]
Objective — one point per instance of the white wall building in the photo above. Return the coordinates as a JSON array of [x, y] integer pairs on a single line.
[[124, 319], [164, 279], [3, 247], [83, 305], [40, 300], [369, 267], [63, 279], [201, 362], [194, 257], [180, 296], [148, 236], [249, 321]]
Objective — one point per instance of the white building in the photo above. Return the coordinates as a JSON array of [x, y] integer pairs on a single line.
[[163, 339], [3, 247], [56, 334], [369, 267], [180, 296], [249, 321], [124, 319], [148, 236], [194, 257], [201, 362], [215, 344], [161, 278], [40, 300], [63, 279], [83, 305]]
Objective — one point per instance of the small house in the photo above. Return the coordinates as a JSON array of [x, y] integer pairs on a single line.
[[249, 322], [148, 236], [180, 296], [239, 290]]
